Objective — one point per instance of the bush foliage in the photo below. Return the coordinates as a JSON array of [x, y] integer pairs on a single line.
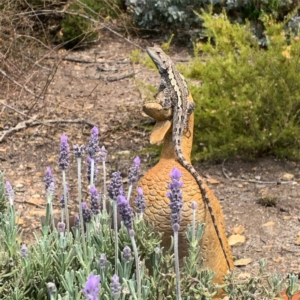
[[180, 14], [248, 102]]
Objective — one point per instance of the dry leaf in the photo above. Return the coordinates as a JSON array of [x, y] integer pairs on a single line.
[[298, 240], [244, 276], [238, 230], [212, 181], [278, 260], [271, 223], [287, 217], [236, 239], [242, 262]]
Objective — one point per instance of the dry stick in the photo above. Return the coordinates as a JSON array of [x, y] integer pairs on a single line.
[[10, 107], [32, 122], [251, 180]]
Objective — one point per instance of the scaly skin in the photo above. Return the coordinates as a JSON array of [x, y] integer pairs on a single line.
[[176, 153]]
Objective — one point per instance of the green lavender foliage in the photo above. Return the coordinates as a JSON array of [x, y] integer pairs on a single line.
[[247, 97]]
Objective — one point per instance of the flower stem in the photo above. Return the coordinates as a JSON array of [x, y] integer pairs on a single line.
[[66, 200], [92, 171], [80, 209], [116, 235], [129, 192], [194, 224], [137, 266], [104, 186], [176, 258]]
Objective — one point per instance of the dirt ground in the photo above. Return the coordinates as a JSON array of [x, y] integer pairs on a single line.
[[97, 86]]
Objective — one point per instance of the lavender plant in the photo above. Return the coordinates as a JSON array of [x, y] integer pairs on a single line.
[[64, 266], [92, 149], [115, 189], [175, 195], [133, 175], [63, 163]]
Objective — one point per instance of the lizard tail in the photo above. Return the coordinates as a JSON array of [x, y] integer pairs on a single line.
[[199, 181]]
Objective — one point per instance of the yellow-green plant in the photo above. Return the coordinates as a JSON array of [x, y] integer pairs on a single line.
[[248, 97]]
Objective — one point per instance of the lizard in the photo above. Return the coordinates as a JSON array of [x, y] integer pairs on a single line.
[[175, 90]]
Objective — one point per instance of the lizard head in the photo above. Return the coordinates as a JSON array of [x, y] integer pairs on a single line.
[[161, 60]]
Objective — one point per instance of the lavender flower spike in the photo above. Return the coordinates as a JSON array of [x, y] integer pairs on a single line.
[[103, 154], [126, 212], [86, 213], [64, 201], [9, 193], [91, 288], [115, 287], [133, 173], [126, 253], [140, 201], [64, 153], [175, 195], [93, 146], [103, 261], [78, 150], [95, 201], [48, 178], [115, 187], [24, 251]]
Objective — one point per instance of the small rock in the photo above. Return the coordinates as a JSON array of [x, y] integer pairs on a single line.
[[257, 177], [19, 185], [236, 240], [298, 240], [287, 177], [242, 262]]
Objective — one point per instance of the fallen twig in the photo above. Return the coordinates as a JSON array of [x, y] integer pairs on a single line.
[[32, 122], [10, 107], [251, 180]]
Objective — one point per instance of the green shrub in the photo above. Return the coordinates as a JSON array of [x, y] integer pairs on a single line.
[[249, 100], [80, 20]]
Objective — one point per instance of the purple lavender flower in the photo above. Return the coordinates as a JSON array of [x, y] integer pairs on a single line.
[[140, 201], [9, 192], [133, 173], [89, 161], [62, 198], [50, 190], [24, 251], [175, 195], [61, 227], [125, 211], [77, 221], [64, 153], [95, 201], [78, 150], [92, 288], [115, 187], [48, 178], [103, 154], [86, 213], [93, 146], [103, 261], [115, 287], [194, 205], [126, 253]]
